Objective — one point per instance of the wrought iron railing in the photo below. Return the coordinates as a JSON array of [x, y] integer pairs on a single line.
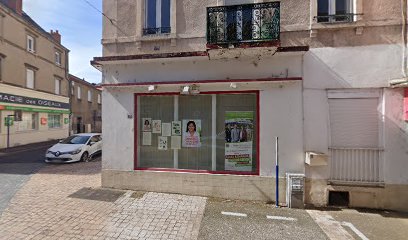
[[339, 18], [161, 30], [243, 23]]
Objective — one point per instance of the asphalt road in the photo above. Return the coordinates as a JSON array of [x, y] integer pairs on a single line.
[[16, 166], [259, 221]]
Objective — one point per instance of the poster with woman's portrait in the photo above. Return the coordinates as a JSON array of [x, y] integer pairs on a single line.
[[191, 133], [147, 124]]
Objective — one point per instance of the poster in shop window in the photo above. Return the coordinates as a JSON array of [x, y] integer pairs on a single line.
[[156, 125], [239, 127], [191, 133], [166, 129], [176, 128], [147, 127], [162, 143]]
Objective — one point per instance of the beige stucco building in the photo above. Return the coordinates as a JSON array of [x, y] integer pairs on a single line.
[[86, 106], [33, 80], [327, 77]]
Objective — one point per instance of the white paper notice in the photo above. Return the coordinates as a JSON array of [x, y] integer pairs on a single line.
[[162, 143], [166, 129], [175, 142], [156, 126], [147, 139]]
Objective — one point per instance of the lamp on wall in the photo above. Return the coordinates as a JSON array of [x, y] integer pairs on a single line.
[[151, 88], [185, 90], [189, 89]]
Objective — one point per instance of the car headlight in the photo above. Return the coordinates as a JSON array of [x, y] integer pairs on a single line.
[[76, 151], [48, 151]]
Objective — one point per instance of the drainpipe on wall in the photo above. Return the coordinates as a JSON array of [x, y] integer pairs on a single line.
[[69, 91]]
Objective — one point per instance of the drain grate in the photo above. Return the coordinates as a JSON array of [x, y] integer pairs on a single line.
[[99, 194]]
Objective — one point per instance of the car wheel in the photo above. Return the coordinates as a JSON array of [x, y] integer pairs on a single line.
[[85, 157]]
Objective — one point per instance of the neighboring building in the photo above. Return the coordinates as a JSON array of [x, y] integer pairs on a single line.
[[86, 106], [33, 79], [314, 73]]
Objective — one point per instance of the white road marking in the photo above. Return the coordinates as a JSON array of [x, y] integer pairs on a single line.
[[234, 214], [331, 227], [281, 218], [355, 230]]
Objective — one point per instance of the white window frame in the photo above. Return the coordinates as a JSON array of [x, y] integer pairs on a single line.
[[99, 98], [352, 5], [89, 96], [57, 86], [53, 121], [1, 65], [58, 58], [30, 47], [30, 83], [158, 15], [79, 92]]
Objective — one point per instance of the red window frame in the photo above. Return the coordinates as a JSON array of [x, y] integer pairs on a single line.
[[136, 131]]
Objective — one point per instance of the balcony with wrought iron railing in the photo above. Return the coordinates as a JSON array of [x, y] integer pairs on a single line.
[[243, 25]]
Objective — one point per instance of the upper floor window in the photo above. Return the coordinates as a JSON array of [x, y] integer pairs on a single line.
[[335, 11], [57, 86], [157, 17], [79, 92], [99, 98], [58, 58], [1, 65], [30, 78], [30, 43], [72, 88], [89, 96]]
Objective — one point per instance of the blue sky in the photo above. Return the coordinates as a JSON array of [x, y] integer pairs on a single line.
[[80, 27]]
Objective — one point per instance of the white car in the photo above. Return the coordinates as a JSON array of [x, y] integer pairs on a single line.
[[78, 147]]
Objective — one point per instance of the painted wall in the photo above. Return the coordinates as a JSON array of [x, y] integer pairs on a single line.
[[357, 68], [13, 37], [280, 105], [42, 133], [396, 138], [201, 68]]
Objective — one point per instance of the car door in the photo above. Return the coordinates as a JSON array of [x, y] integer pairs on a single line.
[[94, 147]]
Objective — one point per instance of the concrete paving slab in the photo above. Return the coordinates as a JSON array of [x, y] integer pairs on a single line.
[[43, 209]]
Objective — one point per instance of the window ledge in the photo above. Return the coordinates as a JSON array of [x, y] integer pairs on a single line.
[[336, 25], [152, 37]]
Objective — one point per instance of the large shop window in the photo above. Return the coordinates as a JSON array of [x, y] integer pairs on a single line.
[[207, 132], [54, 121], [28, 122]]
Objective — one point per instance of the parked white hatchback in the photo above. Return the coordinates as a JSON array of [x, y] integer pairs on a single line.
[[78, 147]]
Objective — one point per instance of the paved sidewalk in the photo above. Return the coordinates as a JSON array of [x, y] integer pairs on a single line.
[[55, 204]]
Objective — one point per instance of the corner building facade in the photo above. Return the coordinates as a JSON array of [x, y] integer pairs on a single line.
[[196, 92]]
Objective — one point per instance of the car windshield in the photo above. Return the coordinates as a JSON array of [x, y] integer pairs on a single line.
[[75, 139]]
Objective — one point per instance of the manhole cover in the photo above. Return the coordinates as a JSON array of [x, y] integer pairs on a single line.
[[99, 194]]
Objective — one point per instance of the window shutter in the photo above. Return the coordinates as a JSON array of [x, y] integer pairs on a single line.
[[30, 79], [57, 86], [354, 123]]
